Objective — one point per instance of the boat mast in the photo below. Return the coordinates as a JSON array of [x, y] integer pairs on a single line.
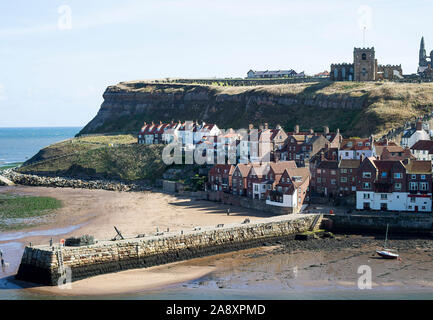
[[386, 235]]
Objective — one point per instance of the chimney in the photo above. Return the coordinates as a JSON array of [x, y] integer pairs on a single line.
[[362, 157], [326, 130], [338, 130], [297, 128], [266, 126], [250, 126], [145, 124], [418, 125], [311, 131], [278, 127], [322, 156], [261, 127]]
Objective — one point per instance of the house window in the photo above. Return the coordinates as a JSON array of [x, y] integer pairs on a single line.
[[343, 179], [366, 174], [383, 197], [397, 186], [423, 186], [384, 174], [412, 199], [413, 176], [343, 170], [319, 180], [413, 186], [332, 181], [367, 185], [333, 172], [423, 177], [366, 196], [397, 175]]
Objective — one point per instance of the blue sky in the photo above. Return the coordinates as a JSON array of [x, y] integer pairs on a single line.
[[54, 74]]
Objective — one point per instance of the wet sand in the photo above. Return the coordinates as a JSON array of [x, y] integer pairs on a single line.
[[95, 212]]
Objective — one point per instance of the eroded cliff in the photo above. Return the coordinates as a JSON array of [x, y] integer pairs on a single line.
[[357, 109]]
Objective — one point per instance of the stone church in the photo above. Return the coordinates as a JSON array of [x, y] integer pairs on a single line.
[[364, 68], [425, 62]]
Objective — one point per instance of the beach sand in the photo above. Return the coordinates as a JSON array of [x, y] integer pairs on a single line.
[[96, 212]]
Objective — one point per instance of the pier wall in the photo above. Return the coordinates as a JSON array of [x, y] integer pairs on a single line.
[[40, 264], [402, 223]]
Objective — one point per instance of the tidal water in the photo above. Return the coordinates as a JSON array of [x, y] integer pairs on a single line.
[[20, 144]]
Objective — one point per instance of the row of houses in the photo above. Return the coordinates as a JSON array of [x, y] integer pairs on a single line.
[[277, 183], [249, 145], [286, 168]]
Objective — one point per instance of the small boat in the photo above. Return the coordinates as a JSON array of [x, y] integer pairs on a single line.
[[387, 253]]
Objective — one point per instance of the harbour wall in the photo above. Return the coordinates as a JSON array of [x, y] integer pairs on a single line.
[[44, 264], [401, 223]]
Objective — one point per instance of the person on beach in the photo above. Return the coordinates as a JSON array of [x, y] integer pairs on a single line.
[[228, 211]]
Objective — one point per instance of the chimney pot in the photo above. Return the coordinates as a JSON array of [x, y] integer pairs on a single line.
[[326, 129], [297, 129]]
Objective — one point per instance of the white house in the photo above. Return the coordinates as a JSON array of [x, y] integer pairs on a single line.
[[413, 135], [355, 148]]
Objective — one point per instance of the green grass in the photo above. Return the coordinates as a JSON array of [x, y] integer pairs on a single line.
[[106, 157], [9, 166], [12, 206]]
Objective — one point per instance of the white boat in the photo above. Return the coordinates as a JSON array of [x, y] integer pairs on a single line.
[[387, 253]]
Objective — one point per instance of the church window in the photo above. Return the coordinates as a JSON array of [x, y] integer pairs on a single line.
[[343, 73], [364, 56], [336, 73], [364, 71]]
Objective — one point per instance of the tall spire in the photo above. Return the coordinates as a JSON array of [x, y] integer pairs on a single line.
[[422, 54]]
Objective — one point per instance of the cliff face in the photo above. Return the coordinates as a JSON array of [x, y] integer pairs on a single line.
[[356, 108]]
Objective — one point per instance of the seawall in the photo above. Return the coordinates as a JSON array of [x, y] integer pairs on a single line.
[[399, 223], [44, 264]]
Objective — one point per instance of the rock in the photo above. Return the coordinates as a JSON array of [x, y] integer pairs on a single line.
[[63, 182]]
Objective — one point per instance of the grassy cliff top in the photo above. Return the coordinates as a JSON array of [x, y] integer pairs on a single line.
[[384, 90]]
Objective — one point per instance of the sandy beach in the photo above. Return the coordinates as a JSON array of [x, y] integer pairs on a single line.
[[96, 212]]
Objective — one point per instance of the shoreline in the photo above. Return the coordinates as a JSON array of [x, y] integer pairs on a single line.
[[96, 211]]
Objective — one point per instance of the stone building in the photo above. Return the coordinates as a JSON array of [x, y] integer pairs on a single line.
[[365, 64], [425, 62], [364, 68]]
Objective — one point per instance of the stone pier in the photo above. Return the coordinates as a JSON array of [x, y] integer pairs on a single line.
[[45, 264]]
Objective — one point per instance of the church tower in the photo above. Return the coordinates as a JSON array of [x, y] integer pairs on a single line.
[[365, 64], [422, 54]]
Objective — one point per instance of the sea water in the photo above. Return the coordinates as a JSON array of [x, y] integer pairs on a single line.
[[20, 144]]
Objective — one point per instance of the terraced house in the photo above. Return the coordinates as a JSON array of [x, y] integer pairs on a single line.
[[395, 186], [291, 190], [220, 177]]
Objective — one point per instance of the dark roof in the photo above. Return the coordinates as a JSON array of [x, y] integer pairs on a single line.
[[328, 164], [423, 145]]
